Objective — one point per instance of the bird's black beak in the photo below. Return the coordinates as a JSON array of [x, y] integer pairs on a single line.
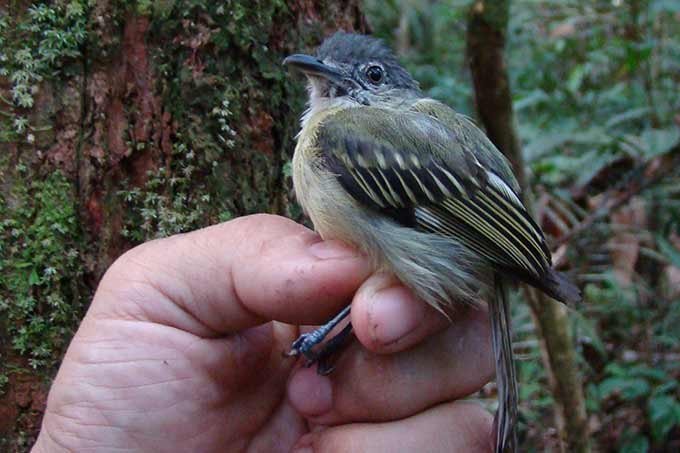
[[313, 67]]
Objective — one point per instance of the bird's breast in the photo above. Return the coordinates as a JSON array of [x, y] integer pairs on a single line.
[[318, 191]]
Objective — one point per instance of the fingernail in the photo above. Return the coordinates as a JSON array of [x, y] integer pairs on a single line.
[[394, 313], [329, 250], [309, 393]]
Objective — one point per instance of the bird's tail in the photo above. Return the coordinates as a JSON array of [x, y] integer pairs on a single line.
[[506, 380], [557, 286]]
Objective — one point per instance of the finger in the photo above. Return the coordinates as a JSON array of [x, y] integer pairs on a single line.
[[387, 317], [457, 426], [232, 276], [375, 387]]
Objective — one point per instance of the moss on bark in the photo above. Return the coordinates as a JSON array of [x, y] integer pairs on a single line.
[[131, 120]]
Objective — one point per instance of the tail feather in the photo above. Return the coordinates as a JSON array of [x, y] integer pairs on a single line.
[[557, 286], [506, 380]]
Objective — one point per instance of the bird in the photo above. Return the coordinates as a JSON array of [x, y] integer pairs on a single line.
[[419, 189]]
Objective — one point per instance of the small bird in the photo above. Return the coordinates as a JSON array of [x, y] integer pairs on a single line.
[[421, 190]]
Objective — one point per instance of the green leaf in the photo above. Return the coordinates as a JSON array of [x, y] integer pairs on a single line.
[[33, 278], [670, 6], [626, 116], [669, 250], [663, 415], [659, 141], [535, 97], [628, 388], [576, 78], [666, 387], [649, 372], [637, 443], [546, 143], [586, 329]]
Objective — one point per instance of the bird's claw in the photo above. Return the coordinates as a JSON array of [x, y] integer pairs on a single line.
[[303, 346]]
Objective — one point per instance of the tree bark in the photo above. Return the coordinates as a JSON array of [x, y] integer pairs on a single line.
[[487, 27], [165, 117], [485, 49]]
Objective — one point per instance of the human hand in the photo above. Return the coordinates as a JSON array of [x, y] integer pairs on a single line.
[[181, 350]]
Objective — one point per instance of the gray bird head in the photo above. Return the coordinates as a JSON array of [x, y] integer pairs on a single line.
[[353, 68]]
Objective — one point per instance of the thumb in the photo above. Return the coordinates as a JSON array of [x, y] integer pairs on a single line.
[[232, 276]]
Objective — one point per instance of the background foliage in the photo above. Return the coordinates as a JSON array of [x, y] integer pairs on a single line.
[[595, 87]]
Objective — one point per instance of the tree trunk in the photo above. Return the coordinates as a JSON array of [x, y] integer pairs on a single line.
[[487, 27], [128, 121]]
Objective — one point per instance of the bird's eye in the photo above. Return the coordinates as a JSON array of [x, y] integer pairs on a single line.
[[375, 74]]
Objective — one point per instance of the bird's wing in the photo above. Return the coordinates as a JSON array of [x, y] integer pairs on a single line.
[[428, 175], [471, 137]]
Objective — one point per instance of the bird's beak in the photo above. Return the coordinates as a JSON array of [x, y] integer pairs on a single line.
[[313, 67]]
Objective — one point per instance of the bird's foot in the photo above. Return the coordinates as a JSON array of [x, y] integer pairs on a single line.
[[305, 343], [327, 357]]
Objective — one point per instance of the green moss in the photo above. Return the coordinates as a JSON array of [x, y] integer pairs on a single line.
[[144, 7], [36, 45], [171, 201], [41, 268], [221, 81]]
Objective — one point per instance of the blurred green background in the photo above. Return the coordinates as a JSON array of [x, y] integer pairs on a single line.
[[596, 92]]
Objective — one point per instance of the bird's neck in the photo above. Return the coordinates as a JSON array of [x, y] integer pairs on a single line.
[[321, 106]]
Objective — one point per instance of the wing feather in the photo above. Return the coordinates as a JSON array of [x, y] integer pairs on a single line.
[[394, 161]]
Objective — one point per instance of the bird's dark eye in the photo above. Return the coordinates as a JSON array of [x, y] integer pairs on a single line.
[[375, 74]]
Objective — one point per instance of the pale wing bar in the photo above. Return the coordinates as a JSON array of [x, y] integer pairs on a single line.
[[486, 214]]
